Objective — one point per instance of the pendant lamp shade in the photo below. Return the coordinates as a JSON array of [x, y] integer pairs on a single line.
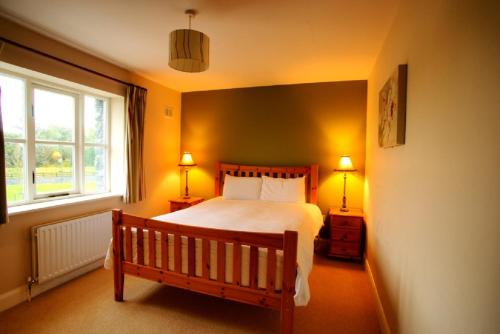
[[188, 50]]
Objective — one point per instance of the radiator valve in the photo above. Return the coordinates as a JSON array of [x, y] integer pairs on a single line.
[[31, 281]]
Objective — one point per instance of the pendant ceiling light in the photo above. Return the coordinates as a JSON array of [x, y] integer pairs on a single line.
[[188, 48]]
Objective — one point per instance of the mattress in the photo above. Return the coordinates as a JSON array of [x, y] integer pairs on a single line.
[[243, 215]]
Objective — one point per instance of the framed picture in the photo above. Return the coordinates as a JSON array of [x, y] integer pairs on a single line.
[[392, 109]]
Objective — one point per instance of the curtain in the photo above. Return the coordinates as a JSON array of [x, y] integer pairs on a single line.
[[135, 111], [4, 215]]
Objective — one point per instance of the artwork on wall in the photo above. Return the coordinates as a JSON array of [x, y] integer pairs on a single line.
[[392, 109]]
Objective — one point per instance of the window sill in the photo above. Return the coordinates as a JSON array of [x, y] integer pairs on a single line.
[[33, 207]]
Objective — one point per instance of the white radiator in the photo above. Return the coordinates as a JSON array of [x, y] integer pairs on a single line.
[[65, 246]]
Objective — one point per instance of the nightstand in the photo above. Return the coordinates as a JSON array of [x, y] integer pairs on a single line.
[[182, 203], [346, 234]]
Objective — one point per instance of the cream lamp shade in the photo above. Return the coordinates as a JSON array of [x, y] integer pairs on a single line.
[[189, 49], [187, 160], [345, 164]]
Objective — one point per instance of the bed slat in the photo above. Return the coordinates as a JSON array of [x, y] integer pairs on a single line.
[[237, 263], [152, 248], [205, 258], [177, 253], [221, 261], [164, 250], [254, 253], [191, 256], [140, 246], [128, 244]]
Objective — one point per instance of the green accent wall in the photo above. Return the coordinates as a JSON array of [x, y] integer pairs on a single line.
[[278, 125]]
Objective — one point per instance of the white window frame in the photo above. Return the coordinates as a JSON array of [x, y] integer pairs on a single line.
[[29, 141], [33, 141], [106, 145]]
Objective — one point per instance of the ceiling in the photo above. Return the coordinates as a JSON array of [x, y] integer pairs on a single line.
[[252, 42]]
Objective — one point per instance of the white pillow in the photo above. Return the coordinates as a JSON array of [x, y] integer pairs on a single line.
[[283, 190], [240, 187]]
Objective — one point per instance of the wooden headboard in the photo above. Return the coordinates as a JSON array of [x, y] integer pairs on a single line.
[[311, 173]]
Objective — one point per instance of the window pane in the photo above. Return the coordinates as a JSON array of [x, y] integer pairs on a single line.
[[95, 169], [95, 120], [54, 168], [14, 172], [13, 107], [54, 116]]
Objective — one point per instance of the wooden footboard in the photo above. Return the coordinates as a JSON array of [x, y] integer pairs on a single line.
[[269, 297]]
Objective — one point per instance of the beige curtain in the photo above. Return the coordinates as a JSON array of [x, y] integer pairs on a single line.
[[4, 215], [135, 108]]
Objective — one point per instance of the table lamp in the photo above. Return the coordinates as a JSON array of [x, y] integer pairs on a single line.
[[187, 162], [345, 165]]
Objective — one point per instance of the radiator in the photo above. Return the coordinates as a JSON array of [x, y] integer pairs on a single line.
[[64, 246]]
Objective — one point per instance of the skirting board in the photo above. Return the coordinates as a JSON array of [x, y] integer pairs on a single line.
[[13, 297], [20, 294], [384, 325]]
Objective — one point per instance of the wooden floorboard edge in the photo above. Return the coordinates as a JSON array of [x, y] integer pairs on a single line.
[[384, 325]]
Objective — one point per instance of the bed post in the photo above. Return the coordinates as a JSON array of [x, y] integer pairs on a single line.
[[217, 179], [314, 184], [117, 254], [288, 286]]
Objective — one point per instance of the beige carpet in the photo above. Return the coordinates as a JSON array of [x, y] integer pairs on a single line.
[[342, 302]]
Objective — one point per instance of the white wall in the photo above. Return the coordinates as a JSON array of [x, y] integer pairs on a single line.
[[433, 205]]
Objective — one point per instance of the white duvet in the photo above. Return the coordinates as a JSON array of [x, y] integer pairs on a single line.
[[251, 216]]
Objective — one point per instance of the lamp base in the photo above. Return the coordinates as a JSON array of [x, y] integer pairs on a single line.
[[186, 197], [344, 208]]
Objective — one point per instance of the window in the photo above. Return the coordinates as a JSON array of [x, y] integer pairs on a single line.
[[56, 140]]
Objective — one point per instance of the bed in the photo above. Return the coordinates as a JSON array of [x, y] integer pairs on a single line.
[[258, 252]]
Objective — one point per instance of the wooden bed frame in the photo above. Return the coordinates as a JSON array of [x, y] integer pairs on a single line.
[[269, 297]]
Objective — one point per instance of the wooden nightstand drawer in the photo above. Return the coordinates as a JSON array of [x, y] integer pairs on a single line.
[[345, 249], [178, 206], [183, 203], [346, 221], [344, 234]]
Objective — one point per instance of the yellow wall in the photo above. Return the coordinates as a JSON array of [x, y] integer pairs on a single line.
[[432, 205], [162, 143], [279, 125]]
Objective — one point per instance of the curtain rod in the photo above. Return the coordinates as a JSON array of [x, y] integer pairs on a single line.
[[19, 45]]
